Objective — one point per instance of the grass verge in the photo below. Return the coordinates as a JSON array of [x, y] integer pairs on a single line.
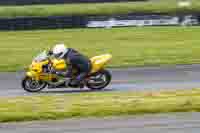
[[169, 6], [129, 46], [97, 104]]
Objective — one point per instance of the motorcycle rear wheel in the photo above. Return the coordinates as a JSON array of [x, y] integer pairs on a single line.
[[99, 80], [31, 85]]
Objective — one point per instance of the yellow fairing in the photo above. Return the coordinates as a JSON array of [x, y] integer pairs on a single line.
[[40, 76], [98, 62], [37, 66], [30, 74], [59, 64], [35, 69], [46, 77]]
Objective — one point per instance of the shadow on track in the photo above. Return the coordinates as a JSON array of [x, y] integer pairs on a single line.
[[73, 91]]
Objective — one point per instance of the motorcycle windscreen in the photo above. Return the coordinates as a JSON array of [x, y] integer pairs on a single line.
[[98, 62]]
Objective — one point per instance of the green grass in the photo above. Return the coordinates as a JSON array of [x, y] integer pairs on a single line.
[[129, 46], [97, 104], [167, 6]]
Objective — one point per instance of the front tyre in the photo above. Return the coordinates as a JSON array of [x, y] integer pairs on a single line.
[[99, 80], [30, 85]]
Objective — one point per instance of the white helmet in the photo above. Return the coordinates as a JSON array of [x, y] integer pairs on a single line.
[[59, 50]]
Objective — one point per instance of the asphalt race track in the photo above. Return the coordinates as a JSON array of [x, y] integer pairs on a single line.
[[145, 78], [161, 123]]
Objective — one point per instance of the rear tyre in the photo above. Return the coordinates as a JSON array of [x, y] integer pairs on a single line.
[[99, 80], [31, 85]]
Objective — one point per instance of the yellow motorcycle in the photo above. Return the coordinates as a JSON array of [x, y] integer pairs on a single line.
[[39, 74]]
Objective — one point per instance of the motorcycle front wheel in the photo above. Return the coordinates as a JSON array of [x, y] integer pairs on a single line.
[[99, 80], [30, 85]]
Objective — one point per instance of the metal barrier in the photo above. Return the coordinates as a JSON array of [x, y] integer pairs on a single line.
[[54, 22], [31, 2]]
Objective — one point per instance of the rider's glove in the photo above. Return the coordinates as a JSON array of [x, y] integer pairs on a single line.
[[50, 52]]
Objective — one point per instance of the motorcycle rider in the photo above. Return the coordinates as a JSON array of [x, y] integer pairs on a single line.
[[74, 59]]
